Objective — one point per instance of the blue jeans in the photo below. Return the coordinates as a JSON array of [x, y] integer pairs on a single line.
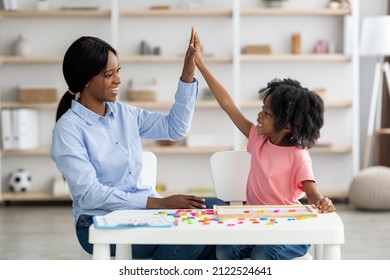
[[260, 252], [155, 252]]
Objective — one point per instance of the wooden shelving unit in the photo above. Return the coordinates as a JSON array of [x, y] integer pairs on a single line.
[[233, 15]]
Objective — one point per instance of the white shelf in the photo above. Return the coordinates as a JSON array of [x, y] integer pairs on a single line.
[[31, 196], [201, 104], [176, 13], [256, 104], [178, 150], [160, 150], [42, 151], [14, 59], [257, 12], [296, 58], [179, 59], [17, 105], [55, 14]]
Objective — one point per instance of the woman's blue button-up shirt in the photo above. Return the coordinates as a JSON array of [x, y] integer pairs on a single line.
[[101, 157]]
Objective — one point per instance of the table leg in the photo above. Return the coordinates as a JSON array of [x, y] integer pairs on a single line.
[[123, 252], [332, 252], [318, 252], [101, 252]]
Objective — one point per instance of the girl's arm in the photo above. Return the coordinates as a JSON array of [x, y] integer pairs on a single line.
[[223, 98], [323, 204]]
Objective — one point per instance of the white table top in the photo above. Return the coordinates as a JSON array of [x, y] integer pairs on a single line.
[[324, 229]]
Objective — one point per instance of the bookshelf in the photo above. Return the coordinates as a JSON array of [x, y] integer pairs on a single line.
[[125, 23]]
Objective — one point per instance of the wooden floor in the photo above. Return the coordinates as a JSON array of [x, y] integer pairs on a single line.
[[47, 233]]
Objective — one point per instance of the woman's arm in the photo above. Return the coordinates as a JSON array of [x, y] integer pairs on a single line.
[[189, 59]]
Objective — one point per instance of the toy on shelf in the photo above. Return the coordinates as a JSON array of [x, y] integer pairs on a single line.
[[257, 49], [20, 180], [146, 49], [339, 4], [273, 3]]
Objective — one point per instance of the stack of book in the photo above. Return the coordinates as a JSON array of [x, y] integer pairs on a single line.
[[19, 129], [9, 5]]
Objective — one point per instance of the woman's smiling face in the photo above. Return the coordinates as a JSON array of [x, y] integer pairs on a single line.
[[105, 85]]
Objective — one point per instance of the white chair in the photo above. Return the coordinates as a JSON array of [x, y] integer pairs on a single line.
[[229, 170], [149, 178], [149, 170]]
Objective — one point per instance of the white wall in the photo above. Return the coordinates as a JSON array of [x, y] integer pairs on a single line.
[[367, 8]]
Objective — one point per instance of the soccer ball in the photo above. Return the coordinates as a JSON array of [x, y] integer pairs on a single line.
[[20, 181]]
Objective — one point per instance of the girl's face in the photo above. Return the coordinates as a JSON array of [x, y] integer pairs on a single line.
[[266, 124], [265, 119], [103, 87]]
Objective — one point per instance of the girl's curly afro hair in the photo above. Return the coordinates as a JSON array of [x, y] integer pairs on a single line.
[[294, 104]]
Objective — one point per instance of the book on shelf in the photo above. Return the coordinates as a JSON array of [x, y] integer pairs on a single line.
[[20, 129], [81, 5], [25, 129], [9, 5], [6, 129]]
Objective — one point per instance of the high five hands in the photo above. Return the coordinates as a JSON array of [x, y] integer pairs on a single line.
[[189, 59]]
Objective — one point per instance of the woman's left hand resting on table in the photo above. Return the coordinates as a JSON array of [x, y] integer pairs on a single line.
[[177, 201]]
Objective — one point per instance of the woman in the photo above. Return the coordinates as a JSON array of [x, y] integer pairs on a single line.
[[96, 142]]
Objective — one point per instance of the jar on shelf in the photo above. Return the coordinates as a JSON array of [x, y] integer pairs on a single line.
[[43, 5], [21, 46], [296, 43]]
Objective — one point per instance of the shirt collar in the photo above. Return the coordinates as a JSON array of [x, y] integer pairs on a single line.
[[89, 116]]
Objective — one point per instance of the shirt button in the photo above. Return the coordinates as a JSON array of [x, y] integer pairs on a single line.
[[116, 143]]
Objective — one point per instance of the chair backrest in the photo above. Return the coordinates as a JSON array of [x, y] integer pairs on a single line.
[[149, 169], [229, 170], [148, 172]]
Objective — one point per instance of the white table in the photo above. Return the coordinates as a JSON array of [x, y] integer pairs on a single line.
[[325, 232]]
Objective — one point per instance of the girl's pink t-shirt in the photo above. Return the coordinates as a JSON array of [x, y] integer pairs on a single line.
[[276, 172]]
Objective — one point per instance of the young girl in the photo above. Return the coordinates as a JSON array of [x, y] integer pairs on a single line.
[[281, 169]]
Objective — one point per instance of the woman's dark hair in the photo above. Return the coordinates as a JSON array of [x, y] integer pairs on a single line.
[[294, 104], [84, 59]]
